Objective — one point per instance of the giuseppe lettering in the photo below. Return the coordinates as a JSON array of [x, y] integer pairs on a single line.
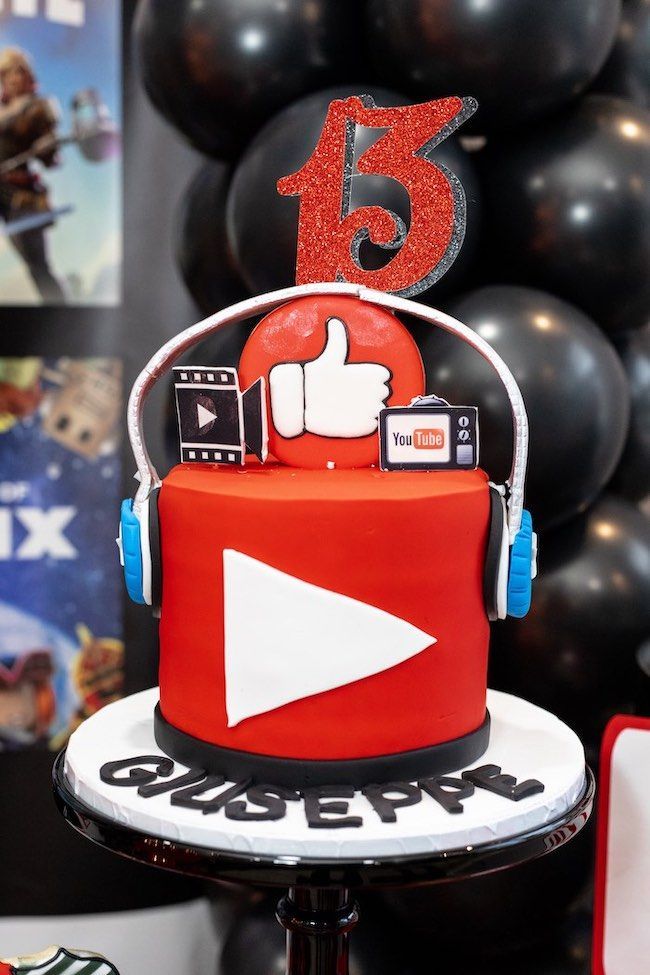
[[272, 800]]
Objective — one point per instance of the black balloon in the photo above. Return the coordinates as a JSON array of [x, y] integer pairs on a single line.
[[256, 944], [566, 950], [627, 71], [569, 205], [642, 696], [575, 654], [519, 58], [643, 679], [206, 263], [201, 242], [511, 913], [263, 226], [573, 385], [632, 479], [219, 68]]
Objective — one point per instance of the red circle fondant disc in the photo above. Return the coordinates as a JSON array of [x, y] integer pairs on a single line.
[[298, 333]]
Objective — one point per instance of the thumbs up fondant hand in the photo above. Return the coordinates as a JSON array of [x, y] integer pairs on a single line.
[[328, 396]]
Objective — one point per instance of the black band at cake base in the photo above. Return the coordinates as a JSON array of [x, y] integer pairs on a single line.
[[299, 773]]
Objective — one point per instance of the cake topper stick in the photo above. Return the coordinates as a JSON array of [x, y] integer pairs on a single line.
[[330, 236]]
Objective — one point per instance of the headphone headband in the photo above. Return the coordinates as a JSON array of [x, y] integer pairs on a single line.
[[261, 304]]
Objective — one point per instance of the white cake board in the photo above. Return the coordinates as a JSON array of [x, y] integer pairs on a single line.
[[525, 741]]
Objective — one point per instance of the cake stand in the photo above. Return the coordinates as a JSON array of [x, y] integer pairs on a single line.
[[320, 867]]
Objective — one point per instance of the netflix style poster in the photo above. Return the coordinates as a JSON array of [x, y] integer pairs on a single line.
[[60, 152], [61, 649]]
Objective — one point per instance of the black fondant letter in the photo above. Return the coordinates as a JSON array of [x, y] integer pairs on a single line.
[[385, 807], [137, 776], [489, 777], [187, 797], [314, 808], [448, 792], [272, 798], [188, 778]]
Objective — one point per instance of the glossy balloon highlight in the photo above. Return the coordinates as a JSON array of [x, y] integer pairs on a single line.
[[569, 208], [201, 244], [632, 478], [219, 68], [573, 385], [627, 71], [576, 652], [519, 59]]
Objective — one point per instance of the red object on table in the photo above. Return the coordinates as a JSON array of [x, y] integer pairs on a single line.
[[411, 544]]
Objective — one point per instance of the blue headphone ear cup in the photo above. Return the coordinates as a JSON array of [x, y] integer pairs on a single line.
[[493, 555], [155, 552], [131, 551], [520, 575]]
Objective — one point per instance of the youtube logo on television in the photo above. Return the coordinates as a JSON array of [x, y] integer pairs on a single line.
[[428, 437]]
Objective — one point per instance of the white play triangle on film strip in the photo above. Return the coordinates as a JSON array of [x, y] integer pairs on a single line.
[[204, 416], [286, 639]]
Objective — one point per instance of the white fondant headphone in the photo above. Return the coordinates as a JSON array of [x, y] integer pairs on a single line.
[[511, 553]]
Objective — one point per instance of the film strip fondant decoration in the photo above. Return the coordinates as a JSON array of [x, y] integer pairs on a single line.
[[218, 424]]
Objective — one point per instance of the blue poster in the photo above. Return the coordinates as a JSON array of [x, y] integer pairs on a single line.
[[60, 152], [61, 649]]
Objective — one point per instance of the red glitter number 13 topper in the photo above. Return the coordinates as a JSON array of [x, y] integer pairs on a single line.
[[330, 236]]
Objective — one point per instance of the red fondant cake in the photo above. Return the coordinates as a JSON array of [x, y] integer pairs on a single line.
[[410, 544], [325, 620], [325, 615]]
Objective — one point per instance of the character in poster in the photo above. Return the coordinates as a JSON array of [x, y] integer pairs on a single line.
[[61, 652], [27, 132], [60, 221]]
